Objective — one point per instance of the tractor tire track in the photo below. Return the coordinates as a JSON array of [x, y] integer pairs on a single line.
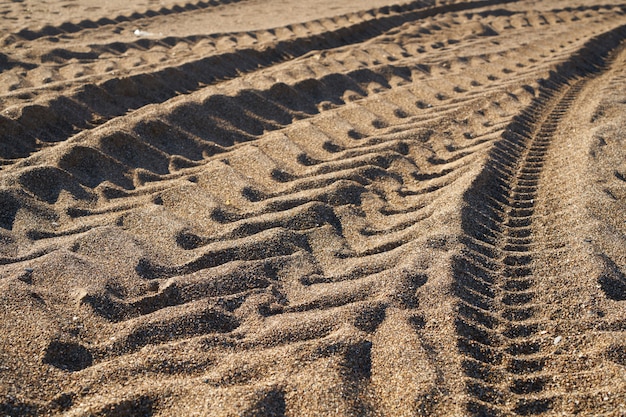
[[501, 326], [87, 24], [275, 236], [34, 126]]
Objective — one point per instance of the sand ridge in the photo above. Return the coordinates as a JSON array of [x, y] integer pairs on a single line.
[[409, 209]]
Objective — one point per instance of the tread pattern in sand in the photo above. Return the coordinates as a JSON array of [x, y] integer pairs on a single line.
[[329, 217], [504, 335]]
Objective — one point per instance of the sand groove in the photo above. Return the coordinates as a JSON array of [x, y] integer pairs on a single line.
[[71, 27], [501, 325], [332, 217], [121, 94], [40, 124]]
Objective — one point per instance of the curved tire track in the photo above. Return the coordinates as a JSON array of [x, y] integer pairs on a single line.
[[222, 242], [502, 332]]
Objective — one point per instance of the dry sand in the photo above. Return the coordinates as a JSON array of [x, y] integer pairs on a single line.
[[347, 208]]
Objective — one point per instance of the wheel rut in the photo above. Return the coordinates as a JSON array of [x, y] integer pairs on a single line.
[[337, 217], [30, 126], [88, 24], [501, 325]]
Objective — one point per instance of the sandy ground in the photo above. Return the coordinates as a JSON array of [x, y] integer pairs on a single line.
[[286, 208]]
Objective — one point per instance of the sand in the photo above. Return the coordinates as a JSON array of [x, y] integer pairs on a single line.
[[284, 208]]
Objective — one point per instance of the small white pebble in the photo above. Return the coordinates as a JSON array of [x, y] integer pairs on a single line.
[[557, 340], [543, 332], [142, 33], [74, 318]]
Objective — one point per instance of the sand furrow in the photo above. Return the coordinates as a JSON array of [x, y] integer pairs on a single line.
[[504, 334], [127, 91], [368, 209]]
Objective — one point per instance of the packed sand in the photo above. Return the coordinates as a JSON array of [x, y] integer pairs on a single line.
[[320, 208]]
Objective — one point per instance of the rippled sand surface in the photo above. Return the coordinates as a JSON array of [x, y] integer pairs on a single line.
[[285, 208]]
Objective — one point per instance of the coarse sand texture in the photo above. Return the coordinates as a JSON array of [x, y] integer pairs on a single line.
[[322, 208]]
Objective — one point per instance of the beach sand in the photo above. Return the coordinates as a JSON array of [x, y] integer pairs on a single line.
[[284, 208]]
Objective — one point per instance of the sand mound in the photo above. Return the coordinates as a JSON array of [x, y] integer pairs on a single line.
[[261, 208]]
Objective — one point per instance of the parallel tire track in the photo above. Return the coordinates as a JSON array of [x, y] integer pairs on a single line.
[[71, 27], [273, 235], [34, 126]]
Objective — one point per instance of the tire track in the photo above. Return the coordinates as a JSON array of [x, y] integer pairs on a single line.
[[295, 276], [590, 327], [87, 24], [500, 323], [33, 127], [60, 56], [251, 193], [38, 126]]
